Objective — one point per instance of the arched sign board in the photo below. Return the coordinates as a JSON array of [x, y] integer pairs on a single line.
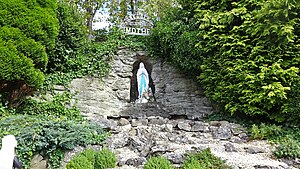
[[137, 25]]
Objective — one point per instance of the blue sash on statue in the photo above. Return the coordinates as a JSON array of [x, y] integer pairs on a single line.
[[143, 84]]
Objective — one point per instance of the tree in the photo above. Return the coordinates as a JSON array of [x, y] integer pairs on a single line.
[[158, 9], [246, 52], [89, 9], [155, 9], [28, 32], [71, 38]]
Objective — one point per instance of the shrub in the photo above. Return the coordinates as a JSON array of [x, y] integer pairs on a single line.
[[102, 159], [105, 159], [59, 106], [203, 160], [288, 147], [245, 65], [18, 74], [45, 135], [174, 37], [264, 131], [71, 37], [55, 159], [90, 155], [80, 162], [193, 163], [292, 107], [158, 163], [16, 66], [249, 66], [28, 31], [286, 138], [36, 19], [27, 46]]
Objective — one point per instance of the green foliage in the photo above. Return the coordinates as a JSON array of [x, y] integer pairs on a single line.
[[105, 159], [174, 39], [89, 10], [246, 53], [90, 155], [59, 78], [192, 162], [134, 43], [58, 107], [117, 38], [55, 159], [28, 31], [100, 35], [102, 159], [286, 138], [264, 131], [15, 66], [250, 65], [36, 19], [91, 60], [292, 107], [203, 160], [72, 36], [27, 46], [47, 135], [289, 147], [85, 159], [80, 162], [158, 163], [3, 110]]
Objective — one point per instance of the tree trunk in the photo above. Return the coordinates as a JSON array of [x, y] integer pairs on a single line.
[[132, 6], [90, 16]]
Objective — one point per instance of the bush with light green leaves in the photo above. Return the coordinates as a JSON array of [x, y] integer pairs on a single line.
[[158, 163], [91, 159], [28, 32], [203, 160], [246, 53], [251, 54]]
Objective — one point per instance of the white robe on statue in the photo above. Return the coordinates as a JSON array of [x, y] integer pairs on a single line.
[[7, 152], [143, 83]]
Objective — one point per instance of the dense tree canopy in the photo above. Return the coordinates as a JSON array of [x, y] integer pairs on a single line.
[[254, 47], [246, 52], [89, 9]]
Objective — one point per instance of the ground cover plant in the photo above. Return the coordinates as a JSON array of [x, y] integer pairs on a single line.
[[45, 135], [286, 138]]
